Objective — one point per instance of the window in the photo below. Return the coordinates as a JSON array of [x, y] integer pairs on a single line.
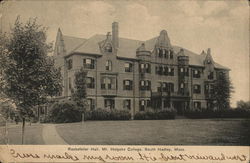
[[148, 103], [164, 70], [156, 69], [145, 68], [109, 103], [69, 64], [108, 83], [171, 71], [160, 70], [159, 89], [127, 104], [196, 73], [209, 89], [197, 105], [163, 87], [108, 65], [206, 88], [90, 82], [171, 56], [186, 71], [127, 84], [88, 63], [166, 54], [160, 53], [128, 67], [197, 89], [142, 105], [163, 52], [145, 85], [171, 87], [108, 48], [183, 71], [91, 103], [182, 85], [210, 75]]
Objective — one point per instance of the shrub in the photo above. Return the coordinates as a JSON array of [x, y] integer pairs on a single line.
[[104, 114], [225, 113], [120, 115], [45, 119], [98, 114], [154, 115], [64, 111]]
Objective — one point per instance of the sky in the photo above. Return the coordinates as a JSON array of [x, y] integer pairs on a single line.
[[196, 25]]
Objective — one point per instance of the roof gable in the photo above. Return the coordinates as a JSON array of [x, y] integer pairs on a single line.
[[127, 48], [72, 43]]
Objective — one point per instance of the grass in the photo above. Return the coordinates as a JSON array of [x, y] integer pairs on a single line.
[[33, 134], [158, 132]]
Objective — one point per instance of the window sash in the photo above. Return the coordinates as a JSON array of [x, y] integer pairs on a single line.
[[128, 67]]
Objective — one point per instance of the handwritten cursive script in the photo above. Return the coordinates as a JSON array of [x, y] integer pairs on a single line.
[[139, 156]]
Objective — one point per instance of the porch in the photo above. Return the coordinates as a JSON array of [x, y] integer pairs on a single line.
[[164, 100]]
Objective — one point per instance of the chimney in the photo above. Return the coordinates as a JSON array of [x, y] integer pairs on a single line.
[[115, 35]]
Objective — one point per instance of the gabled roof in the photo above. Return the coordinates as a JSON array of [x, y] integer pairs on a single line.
[[127, 48]]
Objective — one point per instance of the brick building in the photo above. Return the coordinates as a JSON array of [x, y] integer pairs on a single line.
[[137, 75]]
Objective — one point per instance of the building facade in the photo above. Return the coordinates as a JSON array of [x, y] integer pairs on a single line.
[[137, 75]]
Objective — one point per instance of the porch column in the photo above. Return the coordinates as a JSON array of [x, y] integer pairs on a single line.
[[162, 103]]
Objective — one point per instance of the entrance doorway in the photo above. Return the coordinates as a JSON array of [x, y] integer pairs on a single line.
[[109, 103], [179, 106]]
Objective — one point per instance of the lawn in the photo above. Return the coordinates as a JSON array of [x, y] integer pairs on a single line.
[[158, 132], [33, 134]]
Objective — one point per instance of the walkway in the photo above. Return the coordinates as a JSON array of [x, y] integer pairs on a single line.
[[50, 135]]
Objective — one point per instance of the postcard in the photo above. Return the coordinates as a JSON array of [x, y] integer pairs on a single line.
[[124, 81]]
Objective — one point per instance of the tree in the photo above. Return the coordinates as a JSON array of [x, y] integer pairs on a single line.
[[29, 74], [79, 92], [243, 105], [222, 91], [7, 110]]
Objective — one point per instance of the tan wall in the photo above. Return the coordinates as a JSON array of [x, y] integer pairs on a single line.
[[118, 70]]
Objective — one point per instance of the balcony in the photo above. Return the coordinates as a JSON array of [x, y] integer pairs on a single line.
[[179, 94], [170, 94], [108, 92]]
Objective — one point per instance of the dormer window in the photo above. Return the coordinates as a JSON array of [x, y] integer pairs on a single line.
[[210, 75], [160, 53], [171, 56], [108, 48], [208, 61], [163, 51]]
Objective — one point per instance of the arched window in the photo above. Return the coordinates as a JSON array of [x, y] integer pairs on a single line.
[[108, 65], [108, 48], [209, 61]]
